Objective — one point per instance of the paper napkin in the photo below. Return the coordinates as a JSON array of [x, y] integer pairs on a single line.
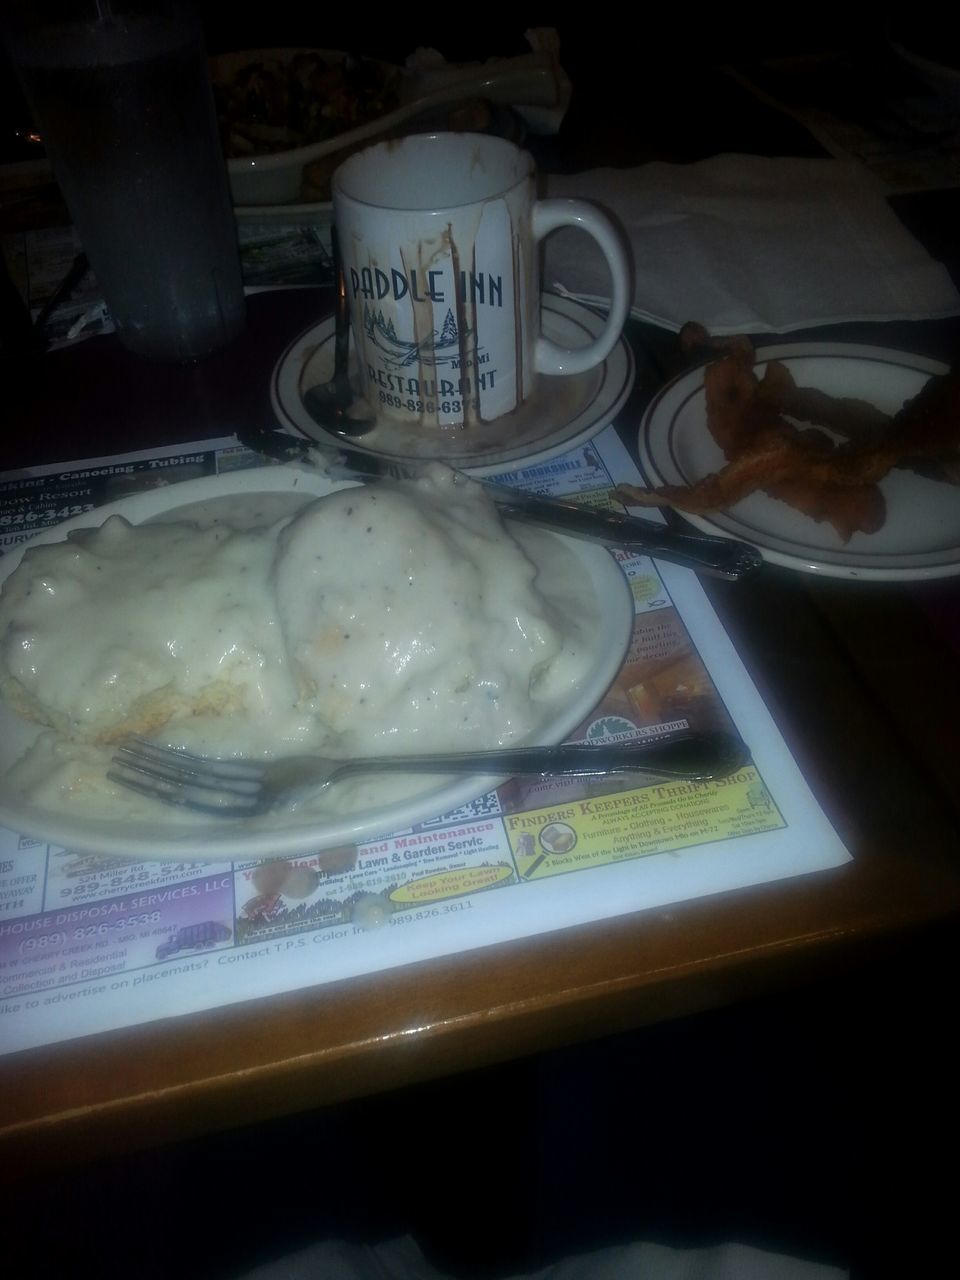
[[753, 244]]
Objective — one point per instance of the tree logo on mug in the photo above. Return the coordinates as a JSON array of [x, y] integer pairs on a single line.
[[443, 347]]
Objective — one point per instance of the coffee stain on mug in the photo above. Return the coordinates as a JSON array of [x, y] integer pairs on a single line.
[[421, 315], [427, 256], [516, 257], [463, 331]]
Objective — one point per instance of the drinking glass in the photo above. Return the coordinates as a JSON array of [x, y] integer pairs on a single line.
[[121, 97]]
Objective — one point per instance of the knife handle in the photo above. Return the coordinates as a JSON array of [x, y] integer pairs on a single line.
[[723, 557]]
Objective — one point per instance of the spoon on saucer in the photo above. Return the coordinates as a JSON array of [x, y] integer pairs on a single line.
[[332, 404]]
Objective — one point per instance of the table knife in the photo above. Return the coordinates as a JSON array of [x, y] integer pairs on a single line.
[[720, 557]]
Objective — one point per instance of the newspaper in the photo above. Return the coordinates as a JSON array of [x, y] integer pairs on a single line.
[[91, 943], [291, 249]]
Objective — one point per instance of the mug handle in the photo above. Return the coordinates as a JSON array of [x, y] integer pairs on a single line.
[[550, 215]]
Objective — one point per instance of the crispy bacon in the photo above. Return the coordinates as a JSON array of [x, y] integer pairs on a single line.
[[778, 467], [857, 420], [804, 466]]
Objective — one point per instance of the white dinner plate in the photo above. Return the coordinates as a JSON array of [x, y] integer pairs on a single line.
[[567, 411], [920, 537], [296, 834]]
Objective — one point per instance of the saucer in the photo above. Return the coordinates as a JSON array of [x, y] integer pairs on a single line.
[[566, 411]]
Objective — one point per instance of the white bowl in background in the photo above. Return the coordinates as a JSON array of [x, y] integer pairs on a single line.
[[275, 178]]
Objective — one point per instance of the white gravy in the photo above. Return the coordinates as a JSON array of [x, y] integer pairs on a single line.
[[378, 620]]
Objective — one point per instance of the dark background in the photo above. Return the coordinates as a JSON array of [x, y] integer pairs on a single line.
[[642, 74]]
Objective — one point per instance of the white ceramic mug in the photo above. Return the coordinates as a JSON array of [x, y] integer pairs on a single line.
[[439, 236]]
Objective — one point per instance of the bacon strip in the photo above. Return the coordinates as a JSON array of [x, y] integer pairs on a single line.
[[857, 420], [804, 467]]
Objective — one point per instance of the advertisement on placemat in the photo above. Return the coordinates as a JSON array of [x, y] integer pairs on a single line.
[[90, 942]]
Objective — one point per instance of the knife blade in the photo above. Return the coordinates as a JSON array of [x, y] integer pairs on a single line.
[[721, 557]]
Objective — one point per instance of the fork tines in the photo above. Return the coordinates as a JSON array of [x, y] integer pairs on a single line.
[[226, 788]]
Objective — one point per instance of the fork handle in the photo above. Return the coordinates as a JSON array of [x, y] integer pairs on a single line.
[[697, 756]]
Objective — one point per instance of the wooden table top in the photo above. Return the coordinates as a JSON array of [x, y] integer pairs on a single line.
[[862, 679]]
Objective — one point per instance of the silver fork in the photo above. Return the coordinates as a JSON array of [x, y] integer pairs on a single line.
[[244, 788]]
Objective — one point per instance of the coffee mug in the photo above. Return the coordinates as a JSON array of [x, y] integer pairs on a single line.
[[439, 240]]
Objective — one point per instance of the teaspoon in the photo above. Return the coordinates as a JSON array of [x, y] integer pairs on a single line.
[[331, 404]]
